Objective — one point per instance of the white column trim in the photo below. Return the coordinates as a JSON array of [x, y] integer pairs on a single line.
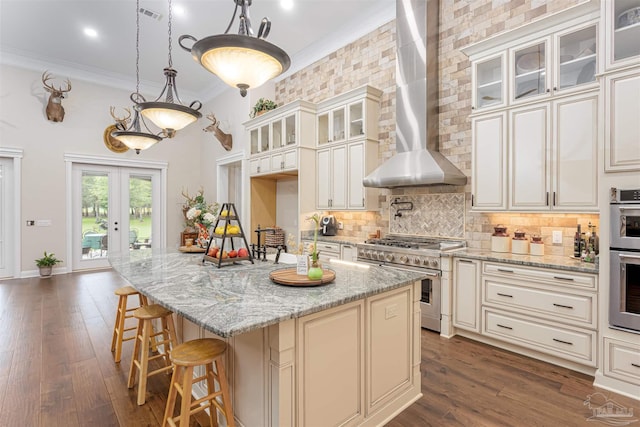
[[16, 154]]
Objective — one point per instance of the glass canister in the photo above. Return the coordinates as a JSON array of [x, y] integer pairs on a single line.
[[537, 245], [500, 241], [519, 244]]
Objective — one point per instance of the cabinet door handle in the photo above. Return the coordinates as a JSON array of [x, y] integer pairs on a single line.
[[546, 200], [472, 200], [569, 279], [502, 270], [506, 295], [468, 261], [346, 246], [505, 327], [563, 342], [562, 306], [635, 365], [554, 198]]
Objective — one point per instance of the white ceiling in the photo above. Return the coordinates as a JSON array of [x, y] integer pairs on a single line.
[[48, 34]]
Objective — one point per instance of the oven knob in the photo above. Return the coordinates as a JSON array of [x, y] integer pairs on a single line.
[[404, 259], [433, 263], [361, 253], [416, 261], [381, 256], [368, 253], [389, 257]]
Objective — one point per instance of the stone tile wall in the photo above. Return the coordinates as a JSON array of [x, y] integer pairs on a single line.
[[371, 60]]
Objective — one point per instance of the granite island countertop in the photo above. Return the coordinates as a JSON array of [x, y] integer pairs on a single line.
[[545, 261], [240, 298]]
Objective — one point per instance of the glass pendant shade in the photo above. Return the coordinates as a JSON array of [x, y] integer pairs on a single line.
[[136, 140], [241, 61]]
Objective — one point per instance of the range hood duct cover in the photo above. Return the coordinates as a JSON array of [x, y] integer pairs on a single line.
[[418, 161]]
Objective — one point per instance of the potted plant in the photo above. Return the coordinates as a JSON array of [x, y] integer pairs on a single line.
[[262, 106], [46, 263]]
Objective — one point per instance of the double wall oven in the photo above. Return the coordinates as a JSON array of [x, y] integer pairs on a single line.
[[418, 254], [624, 262]]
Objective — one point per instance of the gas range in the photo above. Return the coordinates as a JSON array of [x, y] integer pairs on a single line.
[[421, 252]]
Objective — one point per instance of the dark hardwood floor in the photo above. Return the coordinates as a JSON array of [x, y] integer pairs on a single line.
[[56, 369]]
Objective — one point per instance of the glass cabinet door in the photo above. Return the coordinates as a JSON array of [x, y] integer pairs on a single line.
[[626, 29], [323, 128], [576, 56], [254, 141], [276, 134], [356, 119], [489, 82], [338, 124], [290, 129], [530, 74], [264, 138]]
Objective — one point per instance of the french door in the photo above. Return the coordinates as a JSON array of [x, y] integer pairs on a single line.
[[115, 209], [7, 202]]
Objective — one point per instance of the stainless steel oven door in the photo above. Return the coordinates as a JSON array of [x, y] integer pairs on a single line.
[[625, 226], [430, 296], [624, 290]]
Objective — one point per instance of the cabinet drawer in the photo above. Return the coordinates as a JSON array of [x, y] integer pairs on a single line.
[[577, 309], [546, 275], [622, 361], [572, 344], [329, 247]]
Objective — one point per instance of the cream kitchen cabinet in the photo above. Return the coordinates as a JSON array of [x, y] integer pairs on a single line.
[[488, 78], [622, 360], [341, 169], [621, 34], [331, 125], [466, 294], [276, 137], [541, 157], [328, 250], [621, 124], [547, 310], [348, 252]]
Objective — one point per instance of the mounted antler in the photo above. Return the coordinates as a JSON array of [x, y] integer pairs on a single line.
[[121, 122], [225, 139], [54, 109]]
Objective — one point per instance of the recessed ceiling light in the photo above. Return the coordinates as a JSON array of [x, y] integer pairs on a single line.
[[178, 10], [286, 4], [90, 32]]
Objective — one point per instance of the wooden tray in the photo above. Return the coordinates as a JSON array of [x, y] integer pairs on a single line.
[[290, 277], [191, 249]]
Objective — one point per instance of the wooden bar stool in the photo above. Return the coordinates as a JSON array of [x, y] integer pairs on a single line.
[[144, 336], [122, 314], [204, 351]]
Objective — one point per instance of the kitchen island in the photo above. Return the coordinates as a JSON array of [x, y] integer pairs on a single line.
[[345, 353]]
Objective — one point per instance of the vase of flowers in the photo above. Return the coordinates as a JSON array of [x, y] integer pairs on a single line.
[[199, 216], [315, 270]]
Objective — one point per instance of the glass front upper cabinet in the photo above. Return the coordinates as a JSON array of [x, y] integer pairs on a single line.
[[338, 124], [530, 71], [276, 134], [356, 119], [626, 29], [290, 129], [576, 56], [254, 141], [331, 126], [489, 84], [264, 138]]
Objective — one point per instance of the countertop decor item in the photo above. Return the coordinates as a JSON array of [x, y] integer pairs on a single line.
[[500, 241], [197, 210], [519, 243], [193, 249], [290, 277], [240, 60], [315, 271], [537, 245]]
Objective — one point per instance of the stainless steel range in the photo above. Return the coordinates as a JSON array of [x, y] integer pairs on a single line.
[[413, 253]]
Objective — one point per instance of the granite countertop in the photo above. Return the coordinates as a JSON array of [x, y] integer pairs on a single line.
[[239, 298], [547, 261]]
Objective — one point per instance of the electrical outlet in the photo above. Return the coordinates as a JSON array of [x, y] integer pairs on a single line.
[[556, 237], [340, 226], [31, 223]]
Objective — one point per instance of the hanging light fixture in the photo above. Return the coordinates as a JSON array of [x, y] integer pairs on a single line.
[[170, 115], [240, 60], [134, 137]]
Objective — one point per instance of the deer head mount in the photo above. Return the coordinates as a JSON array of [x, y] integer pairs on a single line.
[[225, 139], [54, 110], [122, 123]]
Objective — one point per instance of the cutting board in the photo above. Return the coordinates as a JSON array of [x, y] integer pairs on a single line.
[[290, 277]]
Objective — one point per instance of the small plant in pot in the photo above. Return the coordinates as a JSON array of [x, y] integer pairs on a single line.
[[262, 106], [46, 264]]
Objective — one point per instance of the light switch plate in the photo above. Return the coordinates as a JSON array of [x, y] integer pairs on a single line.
[[556, 236]]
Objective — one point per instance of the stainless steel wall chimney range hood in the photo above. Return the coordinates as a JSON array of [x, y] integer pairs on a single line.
[[418, 161]]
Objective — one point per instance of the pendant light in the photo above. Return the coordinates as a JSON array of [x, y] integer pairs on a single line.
[[134, 137], [240, 60], [170, 115]]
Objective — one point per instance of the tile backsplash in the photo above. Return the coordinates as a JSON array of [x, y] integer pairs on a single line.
[[433, 215]]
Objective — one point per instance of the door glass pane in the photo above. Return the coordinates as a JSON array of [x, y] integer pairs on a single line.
[[577, 58], [338, 124], [323, 128], [264, 138], [489, 82], [276, 134], [530, 75], [140, 209], [626, 31], [290, 129], [356, 120], [254, 141], [95, 214]]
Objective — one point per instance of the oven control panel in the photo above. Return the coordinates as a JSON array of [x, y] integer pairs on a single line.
[[431, 261]]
